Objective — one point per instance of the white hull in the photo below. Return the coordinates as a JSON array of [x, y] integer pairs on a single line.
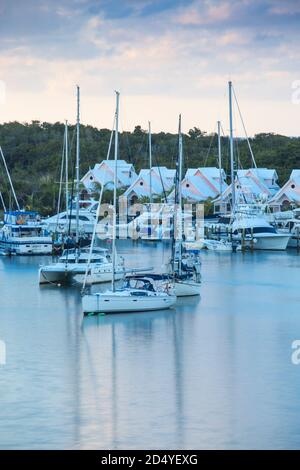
[[110, 303], [26, 247], [270, 242], [65, 274], [99, 276], [187, 288]]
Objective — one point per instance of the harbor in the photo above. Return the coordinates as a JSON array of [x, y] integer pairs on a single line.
[[149, 232], [215, 371]]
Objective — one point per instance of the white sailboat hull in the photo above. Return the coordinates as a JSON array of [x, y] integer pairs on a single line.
[[187, 288], [112, 303]]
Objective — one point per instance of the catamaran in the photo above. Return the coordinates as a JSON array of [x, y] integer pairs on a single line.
[[74, 263]]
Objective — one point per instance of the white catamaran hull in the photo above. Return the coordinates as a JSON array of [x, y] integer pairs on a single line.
[[187, 288], [65, 275], [109, 303]]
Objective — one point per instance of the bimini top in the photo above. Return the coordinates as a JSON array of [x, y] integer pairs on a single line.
[[16, 213]]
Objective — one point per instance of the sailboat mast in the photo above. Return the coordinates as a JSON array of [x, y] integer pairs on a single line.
[[150, 160], [115, 192], [220, 159], [180, 150], [231, 147], [77, 164], [67, 165]]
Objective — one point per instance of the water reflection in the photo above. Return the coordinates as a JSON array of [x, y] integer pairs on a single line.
[[214, 372]]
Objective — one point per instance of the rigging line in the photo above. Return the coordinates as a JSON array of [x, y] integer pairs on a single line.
[[2, 201], [210, 144], [111, 137], [243, 124], [9, 179], [60, 182]]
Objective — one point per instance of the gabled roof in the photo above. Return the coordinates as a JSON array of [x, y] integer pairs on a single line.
[[293, 194], [103, 173], [162, 179]]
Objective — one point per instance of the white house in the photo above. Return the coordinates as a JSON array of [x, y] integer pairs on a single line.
[[289, 194], [103, 173], [251, 185], [200, 184], [162, 180]]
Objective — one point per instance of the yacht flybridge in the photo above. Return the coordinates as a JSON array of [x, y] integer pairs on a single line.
[[23, 234]]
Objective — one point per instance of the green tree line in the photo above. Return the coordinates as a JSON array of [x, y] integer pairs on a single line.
[[33, 152]]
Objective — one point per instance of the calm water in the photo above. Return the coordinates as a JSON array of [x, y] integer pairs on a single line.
[[215, 372]]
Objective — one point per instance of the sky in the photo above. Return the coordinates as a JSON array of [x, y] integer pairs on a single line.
[[164, 56]]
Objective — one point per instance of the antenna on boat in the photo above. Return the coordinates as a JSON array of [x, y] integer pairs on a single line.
[[150, 160], [115, 191], [231, 146], [77, 164], [220, 159], [9, 179]]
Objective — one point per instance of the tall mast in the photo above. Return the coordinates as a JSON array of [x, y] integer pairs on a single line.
[[231, 147], [177, 201], [180, 162], [220, 159], [150, 160], [180, 150], [67, 164], [115, 191], [77, 164]]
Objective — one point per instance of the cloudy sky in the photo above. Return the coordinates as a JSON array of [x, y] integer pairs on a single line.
[[165, 57]]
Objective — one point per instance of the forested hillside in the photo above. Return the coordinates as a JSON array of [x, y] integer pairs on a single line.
[[33, 153]]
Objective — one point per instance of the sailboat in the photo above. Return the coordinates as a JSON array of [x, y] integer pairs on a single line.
[[185, 266], [248, 223], [140, 292], [75, 262]]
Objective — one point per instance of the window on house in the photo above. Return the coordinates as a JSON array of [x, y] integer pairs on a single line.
[[141, 183], [293, 186], [187, 185], [91, 178]]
